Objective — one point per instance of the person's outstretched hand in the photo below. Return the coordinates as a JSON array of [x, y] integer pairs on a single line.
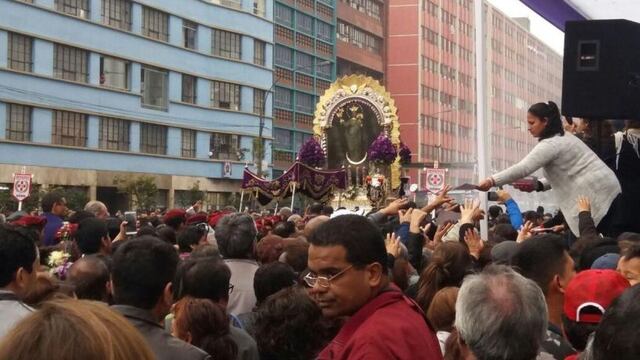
[[525, 232], [584, 204], [468, 210], [503, 196], [394, 206], [392, 243], [485, 185], [474, 242]]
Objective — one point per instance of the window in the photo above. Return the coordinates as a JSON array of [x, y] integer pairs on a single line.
[[304, 23], [226, 44], [155, 24], [283, 98], [18, 122], [153, 139], [225, 95], [78, 8], [20, 49], [282, 139], [189, 32], [284, 56], [114, 73], [362, 39], [259, 7], [324, 31], [70, 63], [236, 4], [154, 87], [188, 143], [284, 15], [323, 69], [114, 134], [304, 62], [189, 88], [69, 129], [258, 52], [258, 101], [304, 102], [117, 13], [224, 146]]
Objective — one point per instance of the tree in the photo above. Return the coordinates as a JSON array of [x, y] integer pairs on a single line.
[[76, 197], [8, 204], [141, 190], [189, 197]]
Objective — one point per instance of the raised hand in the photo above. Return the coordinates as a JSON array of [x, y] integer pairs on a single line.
[[392, 243], [474, 242], [525, 232], [584, 204], [394, 206], [469, 210], [404, 216], [441, 231]]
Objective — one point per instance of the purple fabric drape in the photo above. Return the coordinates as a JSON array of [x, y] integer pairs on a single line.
[[557, 12], [311, 182]]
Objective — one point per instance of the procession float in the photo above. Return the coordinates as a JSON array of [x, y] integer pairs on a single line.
[[356, 155]]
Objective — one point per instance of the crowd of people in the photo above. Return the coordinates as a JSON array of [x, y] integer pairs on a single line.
[[401, 282], [397, 283]]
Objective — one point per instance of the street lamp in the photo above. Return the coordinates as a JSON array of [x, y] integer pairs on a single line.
[[260, 151]]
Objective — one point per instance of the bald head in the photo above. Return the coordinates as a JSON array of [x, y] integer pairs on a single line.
[[90, 275], [313, 224], [97, 208]]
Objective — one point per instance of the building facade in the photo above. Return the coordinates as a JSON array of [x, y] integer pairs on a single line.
[[360, 44], [431, 75], [91, 90], [304, 66]]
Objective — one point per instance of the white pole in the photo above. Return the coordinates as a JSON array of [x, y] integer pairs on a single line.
[[481, 86], [241, 198], [275, 211], [293, 194]]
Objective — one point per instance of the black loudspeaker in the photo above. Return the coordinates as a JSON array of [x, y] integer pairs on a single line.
[[601, 70]]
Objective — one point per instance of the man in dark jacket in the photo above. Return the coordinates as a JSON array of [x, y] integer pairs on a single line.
[[19, 262], [141, 279]]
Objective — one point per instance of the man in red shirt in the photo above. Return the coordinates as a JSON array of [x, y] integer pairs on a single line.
[[348, 278]]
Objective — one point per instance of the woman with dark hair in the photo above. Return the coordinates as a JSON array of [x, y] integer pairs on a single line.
[[569, 167], [449, 264], [204, 324], [289, 325]]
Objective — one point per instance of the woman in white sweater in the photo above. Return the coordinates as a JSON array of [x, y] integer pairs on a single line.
[[570, 168]]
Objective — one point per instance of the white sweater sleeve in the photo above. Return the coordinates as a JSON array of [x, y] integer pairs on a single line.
[[543, 153]]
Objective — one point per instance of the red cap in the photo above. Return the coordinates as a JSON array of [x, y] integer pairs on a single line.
[[592, 288], [216, 216], [28, 220], [174, 213], [197, 219]]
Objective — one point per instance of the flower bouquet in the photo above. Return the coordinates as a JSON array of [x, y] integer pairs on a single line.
[[382, 151], [405, 154], [59, 264], [311, 153]]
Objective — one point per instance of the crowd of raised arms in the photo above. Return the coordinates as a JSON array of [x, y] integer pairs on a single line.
[[400, 282]]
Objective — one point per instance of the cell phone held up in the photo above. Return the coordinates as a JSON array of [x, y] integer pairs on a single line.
[[492, 196], [131, 218]]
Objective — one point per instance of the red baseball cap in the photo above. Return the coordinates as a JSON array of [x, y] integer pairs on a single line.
[[174, 213], [197, 219], [594, 289]]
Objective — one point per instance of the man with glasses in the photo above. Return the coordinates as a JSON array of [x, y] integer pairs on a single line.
[[54, 206], [349, 278]]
